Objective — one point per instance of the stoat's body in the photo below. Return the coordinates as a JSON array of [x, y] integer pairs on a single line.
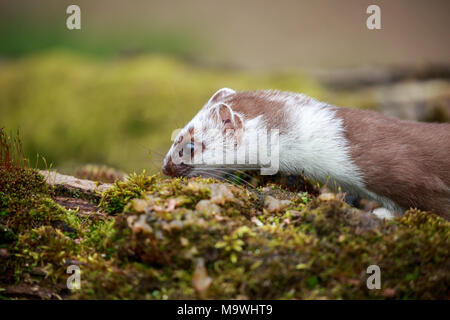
[[399, 163]]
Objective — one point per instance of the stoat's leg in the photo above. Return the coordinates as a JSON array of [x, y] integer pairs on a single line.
[[383, 213]]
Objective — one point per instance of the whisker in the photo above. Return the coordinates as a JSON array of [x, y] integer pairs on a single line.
[[156, 152], [244, 173], [207, 174], [225, 179], [217, 176], [156, 167], [152, 152], [140, 145], [248, 183], [237, 178], [234, 176]]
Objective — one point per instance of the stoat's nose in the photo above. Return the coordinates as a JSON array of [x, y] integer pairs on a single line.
[[167, 168]]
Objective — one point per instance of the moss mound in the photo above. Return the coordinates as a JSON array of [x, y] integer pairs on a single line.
[[201, 238]]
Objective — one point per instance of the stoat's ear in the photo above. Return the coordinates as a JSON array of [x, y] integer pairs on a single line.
[[238, 123], [221, 94], [229, 119], [225, 113]]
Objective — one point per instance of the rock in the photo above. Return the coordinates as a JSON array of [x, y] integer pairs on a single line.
[[274, 205], [81, 206], [220, 193], [4, 253], [139, 205], [184, 242], [200, 279], [139, 224], [207, 206], [171, 205], [327, 196], [65, 184], [27, 291], [256, 221], [100, 173], [389, 293], [152, 203]]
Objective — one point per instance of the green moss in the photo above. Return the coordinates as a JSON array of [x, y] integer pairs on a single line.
[[115, 199], [6, 235], [172, 236], [98, 236], [26, 202], [311, 249], [18, 183], [39, 211], [47, 248]]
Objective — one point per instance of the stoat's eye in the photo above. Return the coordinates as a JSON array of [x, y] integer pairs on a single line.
[[188, 148]]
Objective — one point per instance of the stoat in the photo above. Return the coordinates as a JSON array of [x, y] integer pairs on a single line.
[[401, 164]]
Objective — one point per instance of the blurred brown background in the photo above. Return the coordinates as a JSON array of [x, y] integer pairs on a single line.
[[273, 34]]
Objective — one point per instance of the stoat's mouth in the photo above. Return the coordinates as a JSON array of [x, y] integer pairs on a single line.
[[176, 170]]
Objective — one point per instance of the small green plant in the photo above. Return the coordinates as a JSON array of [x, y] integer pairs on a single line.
[[114, 200], [234, 243]]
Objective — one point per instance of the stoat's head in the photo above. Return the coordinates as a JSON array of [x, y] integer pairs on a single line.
[[199, 147]]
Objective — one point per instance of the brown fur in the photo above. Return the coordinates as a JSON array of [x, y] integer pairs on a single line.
[[254, 103], [406, 161]]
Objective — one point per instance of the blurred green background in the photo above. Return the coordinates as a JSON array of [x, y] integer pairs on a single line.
[[112, 92]]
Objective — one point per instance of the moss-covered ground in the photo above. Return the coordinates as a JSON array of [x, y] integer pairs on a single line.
[[154, 238]]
